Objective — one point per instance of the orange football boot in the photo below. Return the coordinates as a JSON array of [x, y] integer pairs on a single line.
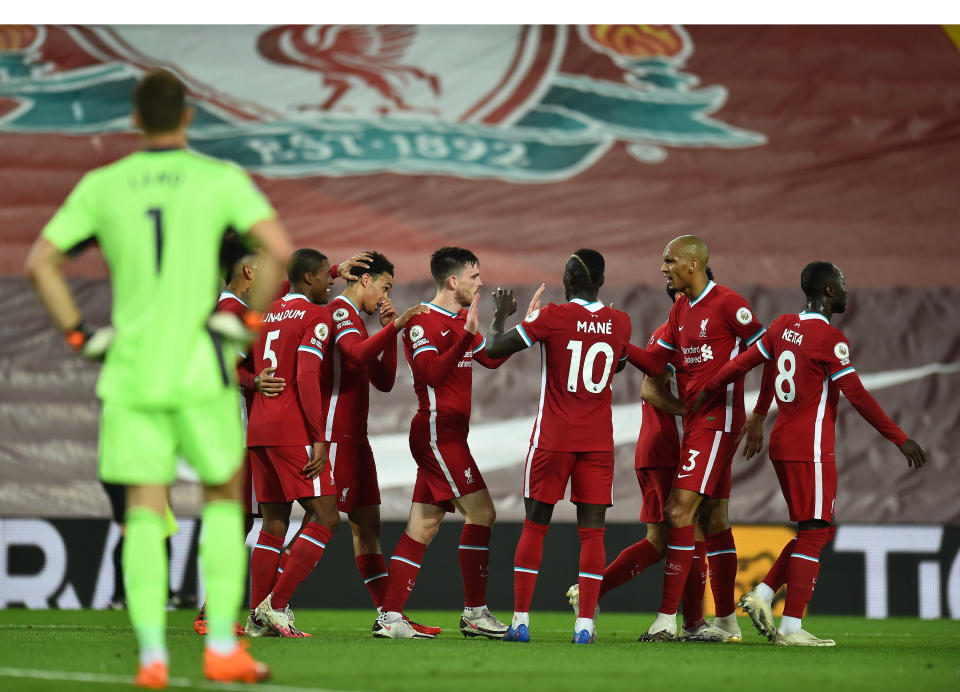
[[237, 666], [153, 676]]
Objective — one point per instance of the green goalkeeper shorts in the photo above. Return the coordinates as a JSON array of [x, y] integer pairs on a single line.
[[140, 446]]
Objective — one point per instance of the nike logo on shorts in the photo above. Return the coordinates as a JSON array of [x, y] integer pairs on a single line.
[[444, 333], [683, 475]]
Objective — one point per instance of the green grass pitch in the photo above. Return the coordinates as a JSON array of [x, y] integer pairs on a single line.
[[94, 650]]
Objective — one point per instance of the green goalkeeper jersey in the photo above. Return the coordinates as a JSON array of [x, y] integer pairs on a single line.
[[159, 217]]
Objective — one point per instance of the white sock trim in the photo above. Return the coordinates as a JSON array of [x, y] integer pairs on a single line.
[[789, 625]]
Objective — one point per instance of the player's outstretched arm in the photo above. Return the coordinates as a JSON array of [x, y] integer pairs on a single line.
[[500, 344], [651, 362], [654, 391], [867, 406]]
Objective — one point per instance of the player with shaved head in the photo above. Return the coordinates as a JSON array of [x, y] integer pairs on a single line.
[[808, 364], [708, 326]]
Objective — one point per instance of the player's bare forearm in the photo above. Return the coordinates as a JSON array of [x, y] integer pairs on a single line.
[[752, 432], [43, 268], [654, 391]]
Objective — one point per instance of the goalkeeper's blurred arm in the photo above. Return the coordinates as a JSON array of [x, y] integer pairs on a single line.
[[43, 268]]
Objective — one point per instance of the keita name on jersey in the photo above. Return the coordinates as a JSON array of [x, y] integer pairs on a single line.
[[284, 315], [792, 336], [595, 327]]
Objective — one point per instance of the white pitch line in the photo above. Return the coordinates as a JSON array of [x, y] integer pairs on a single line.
[[102, 678]]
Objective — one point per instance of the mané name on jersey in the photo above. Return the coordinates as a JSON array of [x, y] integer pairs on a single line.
[[294, 337], [708, 332], [581, 346]]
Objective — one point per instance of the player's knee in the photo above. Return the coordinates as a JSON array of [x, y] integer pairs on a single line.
[[716, 523], [483, 516], [275, 526], [328, 516], [677, 515]]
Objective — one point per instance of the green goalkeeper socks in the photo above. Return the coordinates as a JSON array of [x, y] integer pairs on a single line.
[[223, 560], [145, 574]]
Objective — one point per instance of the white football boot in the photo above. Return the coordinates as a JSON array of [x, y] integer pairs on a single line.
[[760, 611], [800, 638]]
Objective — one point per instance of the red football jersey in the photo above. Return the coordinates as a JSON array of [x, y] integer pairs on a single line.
[[658, 445], [809, 357], [349, 369], [293, 338], [441, 355], [708, 332], [581, 346]]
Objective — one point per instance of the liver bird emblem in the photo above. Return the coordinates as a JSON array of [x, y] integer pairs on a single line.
[[350, 55]]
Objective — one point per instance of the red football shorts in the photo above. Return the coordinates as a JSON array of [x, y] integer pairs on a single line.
[[355, 474], [810, 489], [250, 505], [705, 460], [445, 470], [278, 474], [546, 473], [655, 483]]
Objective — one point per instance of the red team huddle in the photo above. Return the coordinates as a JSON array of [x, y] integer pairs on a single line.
[[313, 362]]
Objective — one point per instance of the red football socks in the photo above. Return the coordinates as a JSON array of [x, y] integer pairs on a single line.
[[404, 568], [804, 567], [777, 575], [680, 550], [474, 554], [526, 564], [631, 561], [263, 566], [592, 557], [373, 571], [284, 556], [304, 555], [694, 587], [722, 559]]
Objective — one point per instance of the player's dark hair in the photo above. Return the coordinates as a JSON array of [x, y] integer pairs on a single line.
[[305, 261], [448, 261], [815, 277], [587, 265], [379, 264], [233, 249], [672, 292], [160, 99]]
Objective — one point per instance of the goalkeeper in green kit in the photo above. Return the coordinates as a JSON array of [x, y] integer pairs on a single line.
[[167, 384]]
